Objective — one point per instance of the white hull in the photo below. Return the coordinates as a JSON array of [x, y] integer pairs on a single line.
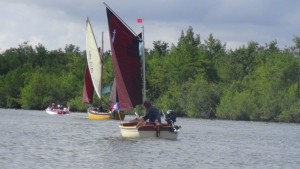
[[50, 112], [57, 111]]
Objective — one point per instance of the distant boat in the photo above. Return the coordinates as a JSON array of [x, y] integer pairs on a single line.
[[59, 110], [128, 79], [93, 80]]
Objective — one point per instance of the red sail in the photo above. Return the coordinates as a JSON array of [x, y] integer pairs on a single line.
[[88, 88], [126, 62]]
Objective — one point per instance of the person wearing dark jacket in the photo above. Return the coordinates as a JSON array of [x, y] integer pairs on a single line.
[[152, 114]]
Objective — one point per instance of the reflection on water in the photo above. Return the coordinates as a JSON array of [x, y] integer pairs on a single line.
[[34, 139]]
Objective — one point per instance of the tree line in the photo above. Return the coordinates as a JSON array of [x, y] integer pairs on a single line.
[[197, 79]]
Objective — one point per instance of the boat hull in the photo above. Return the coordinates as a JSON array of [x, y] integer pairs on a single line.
[[57, 111], [129, 130], [96, 115]]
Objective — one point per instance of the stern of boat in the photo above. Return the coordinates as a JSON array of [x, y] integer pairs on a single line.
[[119, 115]]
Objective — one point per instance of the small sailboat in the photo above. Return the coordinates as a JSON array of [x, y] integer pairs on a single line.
[[128, 76], [93, 79]]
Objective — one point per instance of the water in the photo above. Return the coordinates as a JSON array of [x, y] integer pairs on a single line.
[[34, 139]]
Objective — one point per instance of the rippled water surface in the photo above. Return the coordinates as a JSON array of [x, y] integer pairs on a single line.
[[34, 139]]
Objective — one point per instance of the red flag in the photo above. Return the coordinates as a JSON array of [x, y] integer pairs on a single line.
[[139, 20]]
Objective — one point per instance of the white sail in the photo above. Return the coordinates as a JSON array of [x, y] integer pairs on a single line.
[[93, 58]]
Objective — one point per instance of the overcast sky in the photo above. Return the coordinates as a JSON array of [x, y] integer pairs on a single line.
[[55, 23]]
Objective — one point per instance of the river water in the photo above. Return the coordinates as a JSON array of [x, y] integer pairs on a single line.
[[33, 140]]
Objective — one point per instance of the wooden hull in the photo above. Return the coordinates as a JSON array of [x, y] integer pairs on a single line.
[[129, 130], [57, 111], [96, 115], [99, 116]]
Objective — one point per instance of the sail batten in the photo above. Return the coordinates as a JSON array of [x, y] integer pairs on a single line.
[[126, 61]]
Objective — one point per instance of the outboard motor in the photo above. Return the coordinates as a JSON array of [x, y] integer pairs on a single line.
[[170, 117]]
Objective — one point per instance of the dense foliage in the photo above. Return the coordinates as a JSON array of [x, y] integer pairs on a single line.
[[198, 79]]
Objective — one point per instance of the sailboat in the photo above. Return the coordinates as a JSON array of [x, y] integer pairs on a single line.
[[128, 76], [93, 79]]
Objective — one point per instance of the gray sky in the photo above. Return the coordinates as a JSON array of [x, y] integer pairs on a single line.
[[55, 23]]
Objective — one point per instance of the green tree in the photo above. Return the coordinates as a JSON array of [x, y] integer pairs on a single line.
[[36, 91], [199, 98], [11, 84]]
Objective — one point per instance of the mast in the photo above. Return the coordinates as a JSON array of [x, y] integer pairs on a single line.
[[144, 66], [102, 46], [102, 62]]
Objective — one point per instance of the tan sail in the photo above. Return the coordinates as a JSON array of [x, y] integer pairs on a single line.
[[93, 59]]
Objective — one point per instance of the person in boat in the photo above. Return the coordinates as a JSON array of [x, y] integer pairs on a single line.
[[152, 114], [116, 107], [101, 109], [60, 106], [52, 106]]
